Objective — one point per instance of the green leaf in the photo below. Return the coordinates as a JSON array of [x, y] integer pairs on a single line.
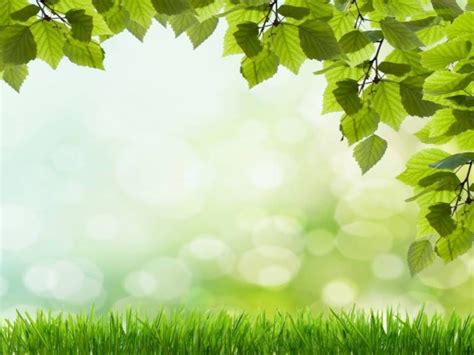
[[453, 161], [398, 8], [7, 7], [247, 38], [199, 33], [17, 44], [230, 44], [353, 41], [359, 125], [387, 103], [137, 30], [295, 12], [440, 218], [447, 9], [15, 75], [86, 54], [347, 95], [399, 35], [81, 24], [445, 81], [418, 166], [50, 41], [369, 152], [117, 19], [462, 26], [103, 5], [446, 53], [141, 11], [25, 13], [420, 256], [394, 68], [182, 22], [196, 4], [259, 68], [286, 45], [318, 41], [454, 245], [171, 7], [411, 92]]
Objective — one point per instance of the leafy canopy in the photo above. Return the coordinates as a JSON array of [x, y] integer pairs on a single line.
[[383, 61]]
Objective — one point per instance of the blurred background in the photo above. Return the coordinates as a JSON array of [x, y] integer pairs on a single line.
[[165, 182]]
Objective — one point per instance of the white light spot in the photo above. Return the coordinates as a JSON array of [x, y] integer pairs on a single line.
[[387, 266], [20, 227], [267, 171], [319, 242], [165, 173], [140, 283], [102, 227], [291, 130], [338, 293], [363, 240], [40, 279], [208, 257], [259, 266], [3, 286], [273, 275], [164, 279], [69, 279], [282, 231]]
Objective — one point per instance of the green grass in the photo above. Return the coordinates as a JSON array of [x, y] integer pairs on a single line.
[[197, 332]]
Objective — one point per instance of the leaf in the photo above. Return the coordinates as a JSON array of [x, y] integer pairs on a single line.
[[286, 45], [295, 12], [420, 256], [447, 9], [399, 35], [103, 5], [387, 103], [418, 166], [461, 26], [346, 94], [117, 19], [170, 7], [141, 11], [411, 93], [50, 41], [445, 81], [259, 68], [246, 37], [7, 7], [200, 3], [454, 245], [359, 125], [81, 24], [440, 218], [182, 22], [453, 161], [353, 41], [25, 13], [446, 53], [86, 54], [318, 41], [369, 152], [394, 68], [137, 30], [17, 45], [199, 33], [398, 8], [15, 75]]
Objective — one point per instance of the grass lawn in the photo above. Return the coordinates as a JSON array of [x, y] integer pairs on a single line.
[[198, 332]]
